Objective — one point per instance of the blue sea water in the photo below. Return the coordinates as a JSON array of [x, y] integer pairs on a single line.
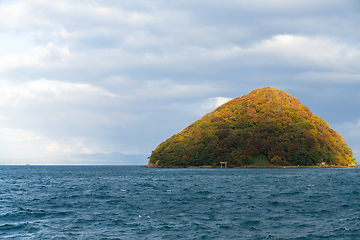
[[130, 202]]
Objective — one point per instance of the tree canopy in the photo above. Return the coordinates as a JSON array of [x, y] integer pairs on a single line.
[[266, 126]]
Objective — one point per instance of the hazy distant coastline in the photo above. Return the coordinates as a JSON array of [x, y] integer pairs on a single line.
[[114, 158]]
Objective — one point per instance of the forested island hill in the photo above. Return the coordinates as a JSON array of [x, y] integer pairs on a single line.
[[267, 127]]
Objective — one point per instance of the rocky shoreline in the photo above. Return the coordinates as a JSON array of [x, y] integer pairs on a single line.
[[242, 167]]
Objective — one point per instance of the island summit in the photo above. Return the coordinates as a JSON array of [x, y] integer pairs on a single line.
[[266, 127]]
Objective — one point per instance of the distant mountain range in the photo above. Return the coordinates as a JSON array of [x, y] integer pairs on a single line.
[[114, 158]]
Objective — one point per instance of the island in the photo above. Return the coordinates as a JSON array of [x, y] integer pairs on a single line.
[[265, 128]]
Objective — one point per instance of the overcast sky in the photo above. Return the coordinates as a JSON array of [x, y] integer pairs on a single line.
[[102, 76]]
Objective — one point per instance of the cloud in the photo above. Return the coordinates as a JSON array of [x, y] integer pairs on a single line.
[[43, 14], [282, 5], [18, 135], [57, 115], [171, 90], [13, 15], [350, 131], [321, 52], [92, 41], [213, 103], [44, 91], [349, 128], [34, 144], [318, 54]]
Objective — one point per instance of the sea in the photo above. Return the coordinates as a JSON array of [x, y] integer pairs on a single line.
[[131, 202]]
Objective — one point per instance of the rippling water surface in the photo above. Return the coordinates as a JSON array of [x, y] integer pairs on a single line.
[[130, 202]]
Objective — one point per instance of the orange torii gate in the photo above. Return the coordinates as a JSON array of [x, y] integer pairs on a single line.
[[225, 163]]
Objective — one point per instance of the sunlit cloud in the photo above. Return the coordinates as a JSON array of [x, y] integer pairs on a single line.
[[36, 144], [213, 103], [48, 91]]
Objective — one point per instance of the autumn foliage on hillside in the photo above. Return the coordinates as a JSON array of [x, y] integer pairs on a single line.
[[266, 123]]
